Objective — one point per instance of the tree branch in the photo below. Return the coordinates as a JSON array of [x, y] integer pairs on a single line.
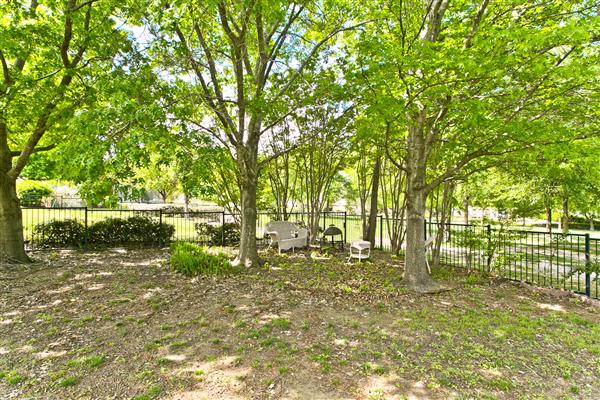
[[476, 22], [35, 150], [467, 158], [5, 70], [312, 53], [219, 107], [85, 3]]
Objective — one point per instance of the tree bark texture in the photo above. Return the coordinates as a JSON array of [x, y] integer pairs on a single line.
[[416, 276], [372, 225], [12, 247]]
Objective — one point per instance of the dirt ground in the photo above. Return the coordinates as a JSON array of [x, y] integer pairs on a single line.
[[119, 324]]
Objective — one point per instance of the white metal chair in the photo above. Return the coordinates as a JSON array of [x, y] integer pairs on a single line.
[[360, 249]]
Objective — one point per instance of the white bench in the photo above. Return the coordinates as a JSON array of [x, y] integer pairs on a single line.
[[286, 235], [360, 249]]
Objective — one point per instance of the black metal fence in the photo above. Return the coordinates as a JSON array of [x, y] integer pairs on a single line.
[[570, 262], [555, 260], [188, 225]]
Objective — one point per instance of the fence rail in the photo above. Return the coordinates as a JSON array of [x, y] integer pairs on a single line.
[[569, 262]]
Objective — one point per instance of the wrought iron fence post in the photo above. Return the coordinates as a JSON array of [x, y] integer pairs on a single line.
[[425, 229], [488, 229], [86, 233], [160, 228], [588, 281]]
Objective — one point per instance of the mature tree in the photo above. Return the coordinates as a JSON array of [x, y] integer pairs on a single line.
[[54, 56], [327, 124], [472, 82], [244, 56], [368, 173]]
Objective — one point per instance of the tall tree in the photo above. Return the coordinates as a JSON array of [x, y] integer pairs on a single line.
[[472, 82], [244, 56], [327, 125], [54, 56]]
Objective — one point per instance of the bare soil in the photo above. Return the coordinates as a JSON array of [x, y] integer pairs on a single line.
[[120, 324]]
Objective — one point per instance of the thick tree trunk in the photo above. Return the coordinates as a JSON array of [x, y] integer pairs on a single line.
[[248, 169], [416, 276], [12, 247], [372, 225]]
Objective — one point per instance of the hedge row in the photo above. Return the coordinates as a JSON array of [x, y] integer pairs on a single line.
[[109, 232]]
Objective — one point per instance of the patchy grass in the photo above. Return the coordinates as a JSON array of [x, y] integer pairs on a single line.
[[122, 324]]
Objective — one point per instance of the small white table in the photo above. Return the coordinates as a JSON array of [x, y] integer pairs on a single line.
[[360, 249]]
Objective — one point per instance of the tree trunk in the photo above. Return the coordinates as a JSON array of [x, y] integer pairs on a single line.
[[363, 216], [549, 219], [248, 169], [466, 203], [443, 215], [565, 216], [372, 225], [416, 276], [186, 205], [163, 195], [363, 194], [12, 248], [468, 254]]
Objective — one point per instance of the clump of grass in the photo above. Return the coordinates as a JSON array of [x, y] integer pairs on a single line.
[[323, 359], [68, 381], [152, 393], [163, 361], [181, 343], [89, 361], [282, 323], [11, 377], [192, 260], [372, 368]]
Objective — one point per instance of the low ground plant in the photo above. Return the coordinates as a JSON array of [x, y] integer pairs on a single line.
[[192, 260]]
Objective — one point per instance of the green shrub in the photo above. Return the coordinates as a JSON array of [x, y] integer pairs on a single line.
[[31, 193], [219, 235], [192, 260], [133, 230], [109, 232], [68, 232]]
